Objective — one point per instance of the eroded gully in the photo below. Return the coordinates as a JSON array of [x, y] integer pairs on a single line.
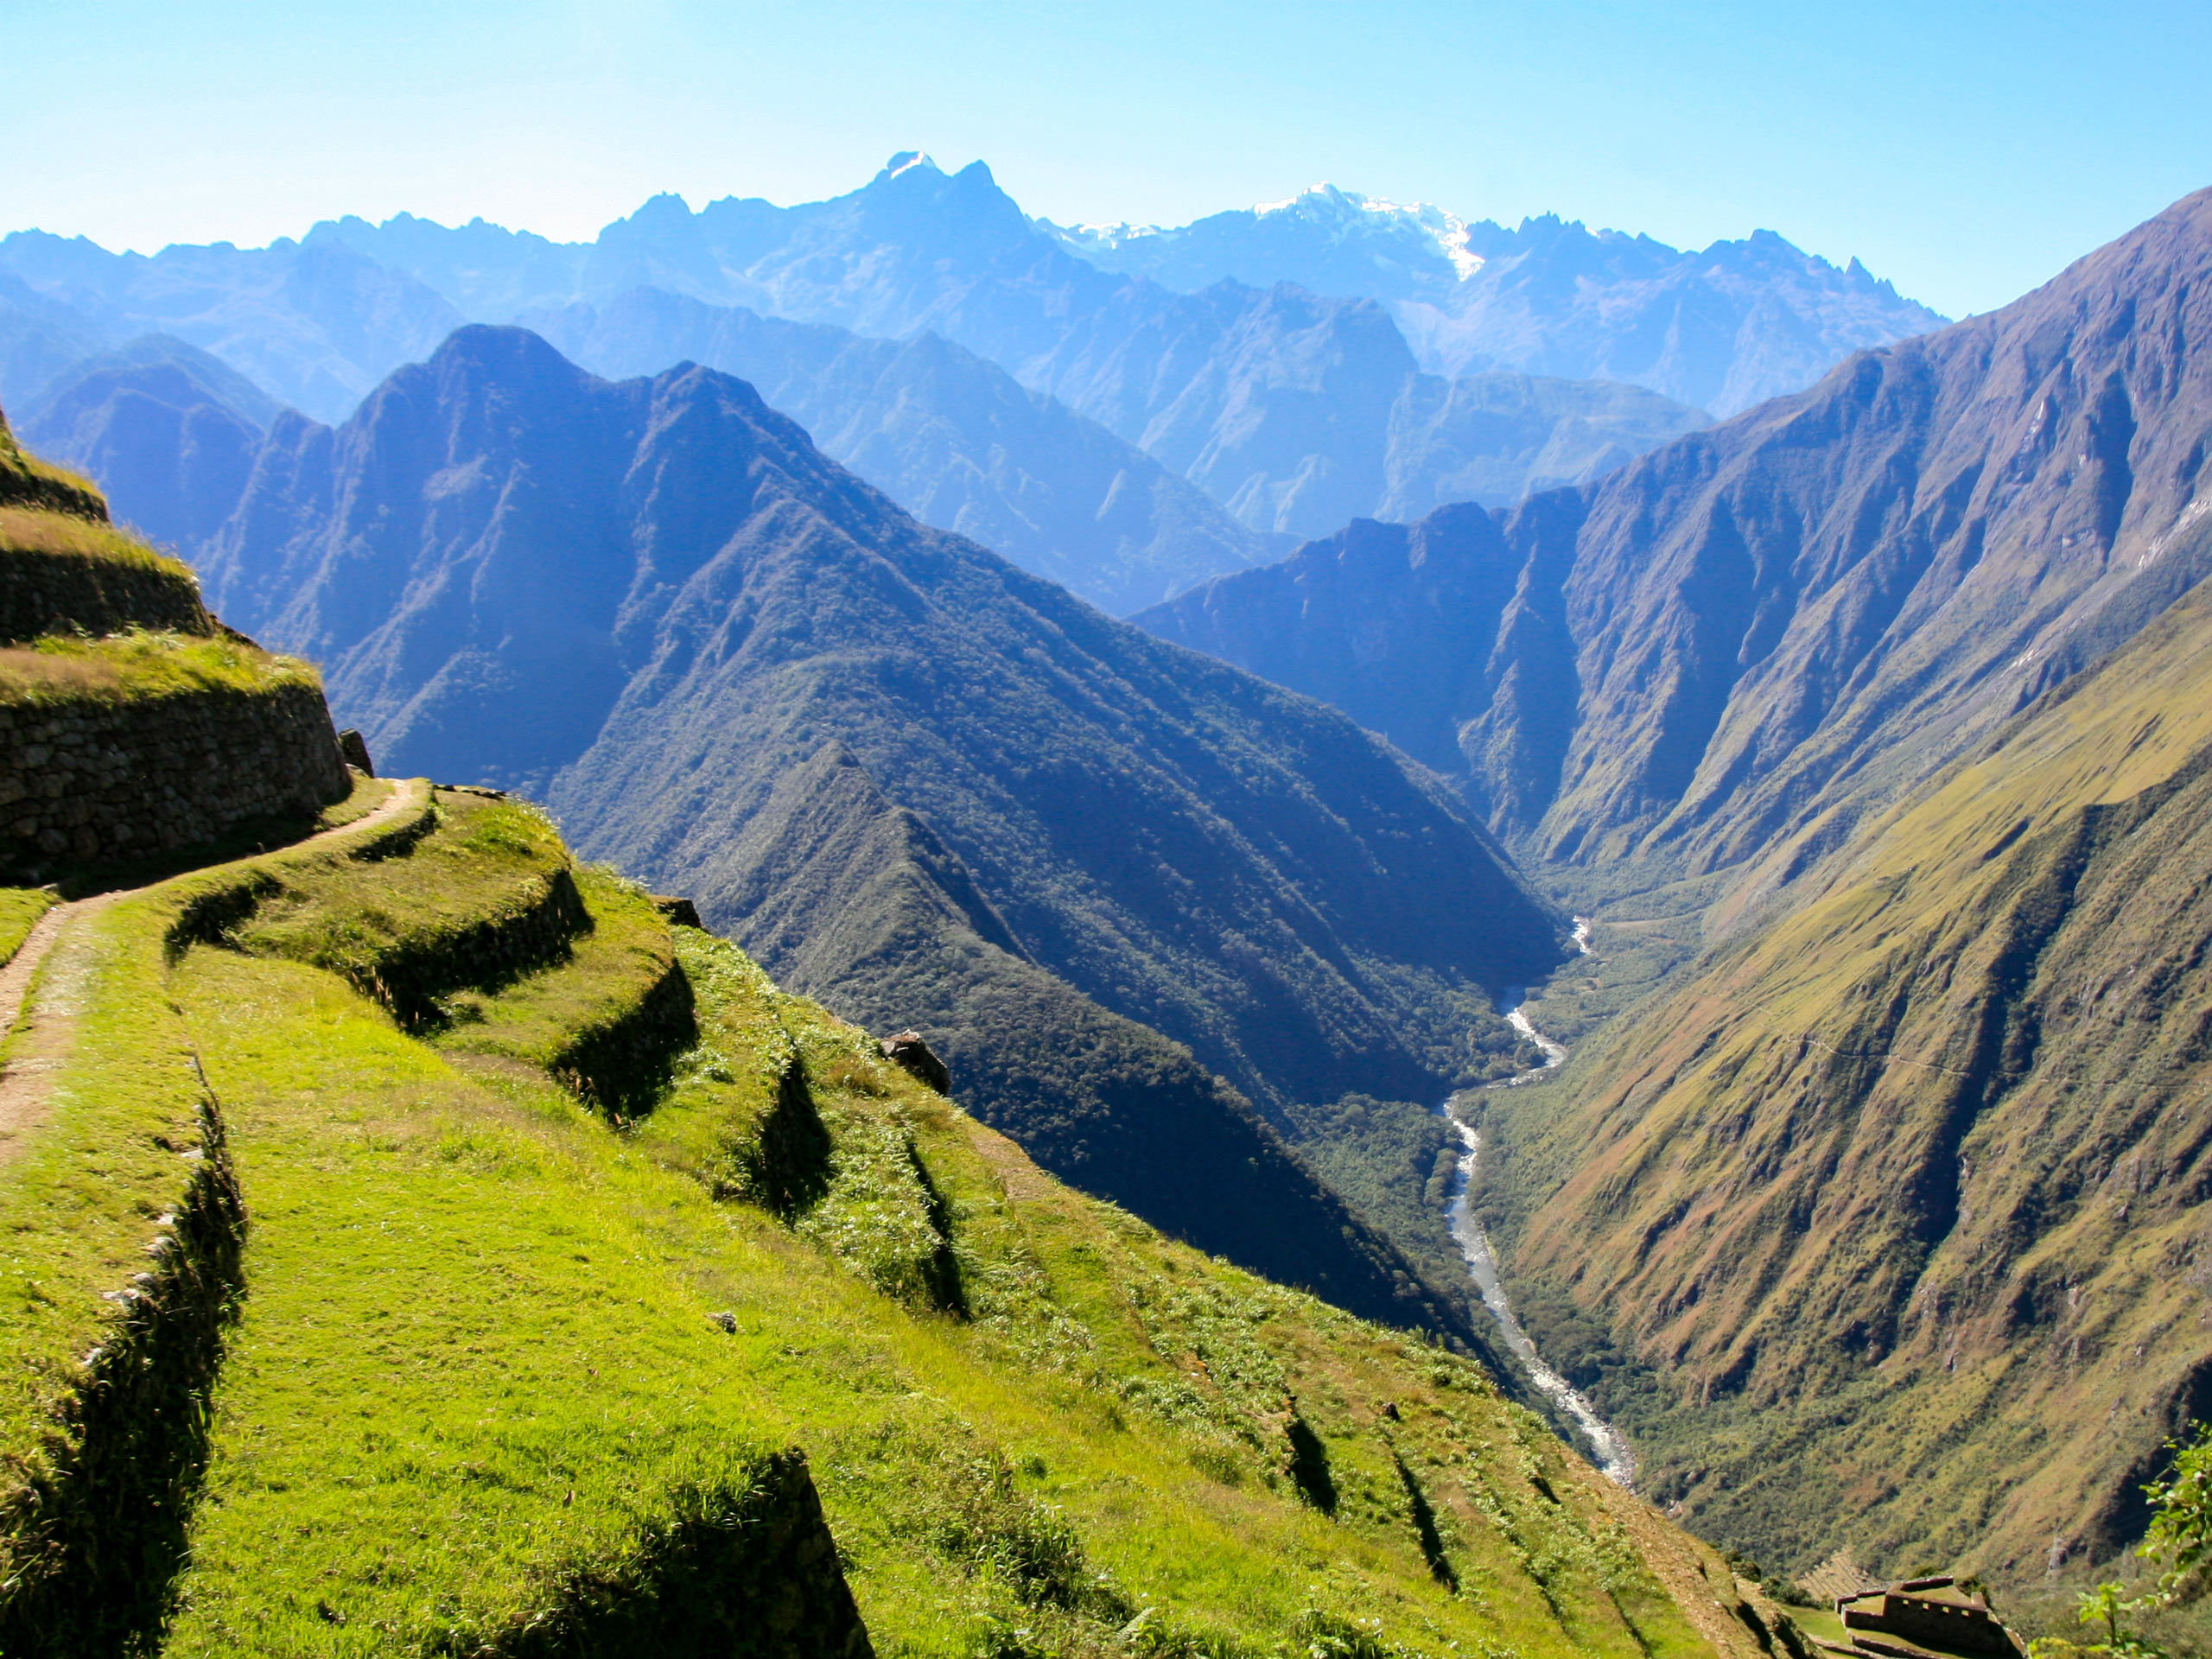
[[1608, 1444]]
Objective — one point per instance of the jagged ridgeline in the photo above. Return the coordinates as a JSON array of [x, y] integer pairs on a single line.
[[419, 1243]]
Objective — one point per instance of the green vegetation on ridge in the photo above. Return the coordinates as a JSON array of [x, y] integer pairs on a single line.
[[137, 666], [32, 533]]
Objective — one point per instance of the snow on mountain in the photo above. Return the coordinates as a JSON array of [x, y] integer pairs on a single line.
[[1341, 215]]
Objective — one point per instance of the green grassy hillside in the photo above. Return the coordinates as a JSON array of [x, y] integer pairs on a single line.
[[554, 1283], [1884, 1226]]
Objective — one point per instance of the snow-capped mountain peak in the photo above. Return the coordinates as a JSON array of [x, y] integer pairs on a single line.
[[1446, 232], [906, 160]]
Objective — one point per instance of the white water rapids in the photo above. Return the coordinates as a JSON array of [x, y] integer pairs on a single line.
[[1608, 1443]]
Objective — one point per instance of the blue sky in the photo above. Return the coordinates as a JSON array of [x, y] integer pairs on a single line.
[[1966, 151]]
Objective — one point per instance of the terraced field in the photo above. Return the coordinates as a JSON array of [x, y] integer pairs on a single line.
[[429, 1248]]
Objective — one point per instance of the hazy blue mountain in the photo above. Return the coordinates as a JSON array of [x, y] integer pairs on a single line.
[[952, 438], [1721, 328], [169, 432], [1296, 404], [910, 775], [1329, 240], [215, 379], [39, 337], [317, 327]]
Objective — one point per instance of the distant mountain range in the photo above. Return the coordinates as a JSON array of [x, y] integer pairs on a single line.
[[1293, 407], [911, 777], [172, 432], [1718, 329]]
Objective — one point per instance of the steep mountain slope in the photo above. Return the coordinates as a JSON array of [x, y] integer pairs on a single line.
[[1886, 1227], [656, 602], [1721, 329], [1794, 616], [953, 439], [170, 431]]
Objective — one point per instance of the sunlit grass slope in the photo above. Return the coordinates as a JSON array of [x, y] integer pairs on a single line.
[[528, 1355], [140, 665]]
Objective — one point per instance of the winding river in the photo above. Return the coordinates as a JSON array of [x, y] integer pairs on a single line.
[[1608, 1444]]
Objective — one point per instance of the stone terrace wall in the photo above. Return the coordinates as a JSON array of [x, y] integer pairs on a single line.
[[60, 592], [86, 782]]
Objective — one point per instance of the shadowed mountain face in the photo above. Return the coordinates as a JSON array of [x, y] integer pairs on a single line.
[[657, 602], [1721, 329], [1791, 617]]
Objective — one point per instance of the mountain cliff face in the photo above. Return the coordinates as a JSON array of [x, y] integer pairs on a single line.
[[1886, 1227], [1718, 329], [659, 602], [1793, 616]]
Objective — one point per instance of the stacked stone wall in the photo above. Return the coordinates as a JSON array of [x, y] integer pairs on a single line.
[[62, 592], [87, 783]]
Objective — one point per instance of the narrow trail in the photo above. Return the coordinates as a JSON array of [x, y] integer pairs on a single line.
[[48, 1030], [1610, 1447]]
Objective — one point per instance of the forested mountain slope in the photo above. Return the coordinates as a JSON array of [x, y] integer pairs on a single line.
[[1792, 616], [1885, 1226], [658, 603]]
